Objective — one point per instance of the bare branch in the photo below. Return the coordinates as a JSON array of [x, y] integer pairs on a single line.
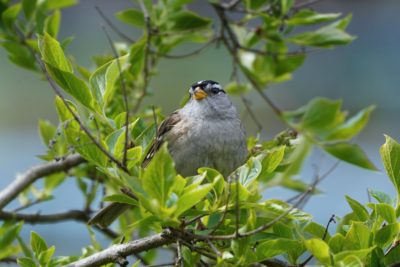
[[37, 218], [194, 52], [146, 71], [72, 215], [247, 104], [25, 179], [115, 252], [112, 26]]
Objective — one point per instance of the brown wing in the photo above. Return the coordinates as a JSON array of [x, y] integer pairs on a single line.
[[162, 130]]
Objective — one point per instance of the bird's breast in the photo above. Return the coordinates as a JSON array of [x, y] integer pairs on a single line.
[[219, 144]]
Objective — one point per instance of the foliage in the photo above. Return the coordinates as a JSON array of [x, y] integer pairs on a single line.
[[267, 43]]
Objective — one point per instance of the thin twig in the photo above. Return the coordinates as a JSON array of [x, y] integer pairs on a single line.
[[332, 219], [30, 204], [112, 26], [198, 250], [27, 178], [124, 95], [305, 4], [146, 71], [233, 50], [192, 53], [253, 116]]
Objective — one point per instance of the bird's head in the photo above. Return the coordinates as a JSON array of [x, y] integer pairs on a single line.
[[205, 89], [208, 99]]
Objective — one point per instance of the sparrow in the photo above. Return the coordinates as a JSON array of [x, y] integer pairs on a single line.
[[206, 132]]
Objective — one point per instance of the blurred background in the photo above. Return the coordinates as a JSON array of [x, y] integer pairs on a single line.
[[363, 73]]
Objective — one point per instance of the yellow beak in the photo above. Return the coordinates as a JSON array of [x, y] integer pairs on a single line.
[[199, 94]]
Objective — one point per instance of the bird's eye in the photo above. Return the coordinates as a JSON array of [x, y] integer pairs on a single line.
[[215, 90]]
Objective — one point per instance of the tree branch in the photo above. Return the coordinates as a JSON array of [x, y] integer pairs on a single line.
[[71, 215], [24, 180], [113, 253]]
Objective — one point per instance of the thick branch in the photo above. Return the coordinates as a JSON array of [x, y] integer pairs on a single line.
[[115, 252], [30, 176]]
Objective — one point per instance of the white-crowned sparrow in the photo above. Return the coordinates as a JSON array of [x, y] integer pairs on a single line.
[[206, 132]]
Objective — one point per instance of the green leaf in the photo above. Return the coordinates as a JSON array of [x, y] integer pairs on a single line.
[[25, 249], [353, 126], [133, 17], [358, 236], [320, 250], [386, 211], [255, 4], [19, 54], [386, 235], [191, 197], [11, 14], [57, 4], [342, 23], [29, 7], [121, 198], [306, 16], [8, 234], [275, 247], [392, 257], [337, 242], [322, 114], [351, 153], [286, 5], [52, 23], [316, 230], [85, 146], [359, 210], [381, 197], [103, 80], [323, 37], [235, 88], [136, 57], [390, 153], [38, 244], [158, 177], [72, 85], [45, 256], [26, 262], [53, 180], [297, 158], [278, 207], [360, 254], [53, 54], [63, 113], [187, 20], [249, 171], [271, 160], [47, 132]]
